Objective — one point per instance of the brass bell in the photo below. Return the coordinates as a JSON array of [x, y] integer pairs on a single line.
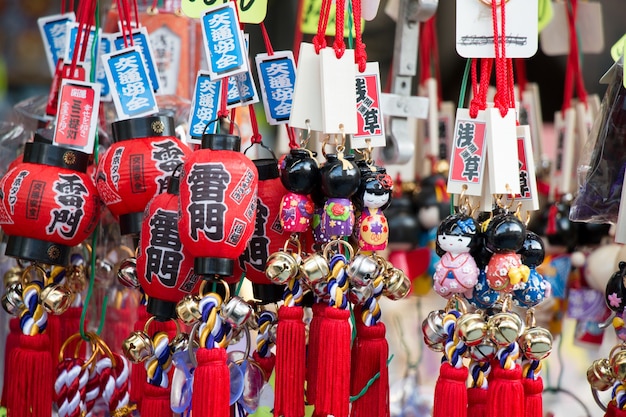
[[12, 276], [359, 294], [12, 301], [281, 267], [138, 347], [618, 364], [600, 376], [471, 328], [180, 343], [127, 274], [75, 278], [397, 284], [237, 312], [505, 328], [433, 331], [362, 270], [536, 343], [314, 269], [56, 298], [188, 309], [484, 351]]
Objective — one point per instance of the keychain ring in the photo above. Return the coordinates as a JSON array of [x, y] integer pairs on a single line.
[[146, 327], [338, 242], [219, 281], [67, 342], [105, 349], [39, 269], [190, 345], [305, 142]]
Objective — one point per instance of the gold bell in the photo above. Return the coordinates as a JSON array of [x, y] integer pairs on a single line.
[[505, 328], [484, 351], [188, 309], [314, 269], [618, 364], [56, 298], [433, 331], [536, 343], [76, 278], [138, 347], [600, 376], [281, 267], [397, 284], [12, 276], [12, 301], [471, 328]]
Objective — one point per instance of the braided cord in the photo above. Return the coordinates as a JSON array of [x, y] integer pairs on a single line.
[[480, 372], [33, 318], [620, 395], [92, 392], [508, 355], [159, 364], [293, 294], [264, 342], [120, 397], [455, 347], [209, 306], [69, 387], [338, 282], [531, 369], [371, 308]]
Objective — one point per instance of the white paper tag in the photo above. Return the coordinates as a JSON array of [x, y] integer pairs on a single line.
[[369, 9], [469, 154], [620, 227], [130, 84], [53, 30], [502, 152], [474, 29], [369, 114], [554, 38], [142, 41], [563, 167], [337, 78], [277, 77], [306, 110], [432, 132], [204, 106], [77, 116], [532, 107], [528, 195], [241, 90], [167, 47], [446, 129]]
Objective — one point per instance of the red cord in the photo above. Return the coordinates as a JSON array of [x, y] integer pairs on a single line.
[[520, 68], [360, 55], [256, 136], [340, 11], [297, 36], [233, 114], [425, 45], [435, 52], [479, 101], [266, 40], [136, 13], [223, 111], [502, 99], [319, 40]]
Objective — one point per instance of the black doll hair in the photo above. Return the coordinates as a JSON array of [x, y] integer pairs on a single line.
[[377, 183], [457, 225]]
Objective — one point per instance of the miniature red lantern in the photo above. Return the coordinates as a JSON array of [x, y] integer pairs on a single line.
[[136, 167], [49, 203], [218, 198], [164, 267], [268, 234]]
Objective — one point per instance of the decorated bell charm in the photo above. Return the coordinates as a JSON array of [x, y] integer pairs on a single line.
[[56, 298], [397, 284], [314, 269], [188, 309], [13, 275], [536, 343], [617, 362], [505, 328], [363, 269], [434, 333], [127, 274], [12, 301], [359, 294], [484, 351], [138, 347], [471, 328], [237, 312], [281, 267], [600, 375], [180, 343]]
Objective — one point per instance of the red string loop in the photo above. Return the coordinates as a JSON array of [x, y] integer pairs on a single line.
[[319, 40], [339, 45], [223, 111], [266, 40], [360, 55], [256, 136], [502, 99], [479, 101]]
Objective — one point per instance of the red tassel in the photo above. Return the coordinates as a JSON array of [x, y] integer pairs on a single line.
[[13, 340], [32, 378], [118, 325], [369, 356], [476, 402], [290, 362], [506, 392], [610, 409], [156, 401], [211, 384], [266, 364], [450, 392], [53, 330], [532, 392], [315, 341], [334, 364]]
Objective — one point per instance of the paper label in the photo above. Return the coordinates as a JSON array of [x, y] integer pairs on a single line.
[[502, 154], [311, 15], [584, 121], [223, 42], [63, 71], [77, 116], [563, 167], [277, 77], [433, 117], [474, 29], [370, 123], [167, 47], [105, 46], [528, 195], [306, 110], [446, 129], [241, 90], [53, 30], [140, 39], [250, 11], [469, 153], [204, 107], [555, 37], [531, 106], [337, 77], [131, 89]]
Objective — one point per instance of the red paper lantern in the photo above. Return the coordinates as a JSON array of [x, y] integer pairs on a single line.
[[218, 198], [164, 267], [268, 236], [49, 203], [136, 167]]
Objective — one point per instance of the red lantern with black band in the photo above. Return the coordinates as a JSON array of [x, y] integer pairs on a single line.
[[164, 267], [136, 167], [218, 198], [268, 236], [49, 204]]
